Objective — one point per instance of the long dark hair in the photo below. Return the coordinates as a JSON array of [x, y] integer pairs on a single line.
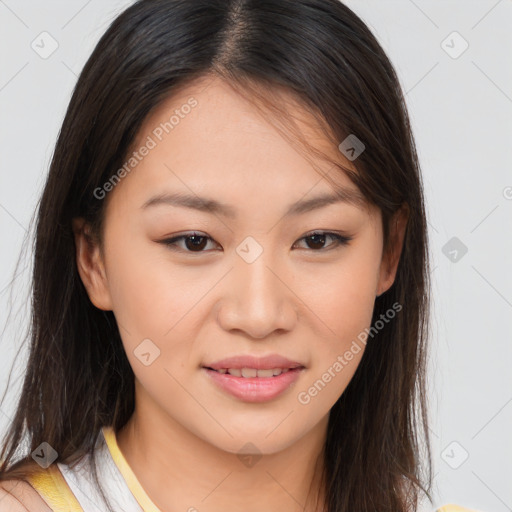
[[78, 377]]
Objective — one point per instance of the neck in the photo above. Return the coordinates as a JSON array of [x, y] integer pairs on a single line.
[[181, 471]]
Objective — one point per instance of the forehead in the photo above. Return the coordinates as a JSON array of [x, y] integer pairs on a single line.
[[206, 140]]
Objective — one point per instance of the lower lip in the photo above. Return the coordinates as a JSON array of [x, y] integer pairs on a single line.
[[254, 389]]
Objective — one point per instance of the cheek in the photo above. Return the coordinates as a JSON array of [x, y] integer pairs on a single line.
[[344, 305], [337, 355], [344, 297], [148, 294], [154, 299]]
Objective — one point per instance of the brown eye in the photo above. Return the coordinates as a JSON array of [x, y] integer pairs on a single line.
[[316, 241], [193, 242]]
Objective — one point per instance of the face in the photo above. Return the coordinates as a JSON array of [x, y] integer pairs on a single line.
[[195, 283]]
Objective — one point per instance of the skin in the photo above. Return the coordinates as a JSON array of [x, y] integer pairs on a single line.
[[296, 299], [20, 496]]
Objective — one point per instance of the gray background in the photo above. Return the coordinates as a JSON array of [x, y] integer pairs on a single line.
[[461, 109]]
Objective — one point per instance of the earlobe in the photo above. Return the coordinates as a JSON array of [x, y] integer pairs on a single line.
[[90, 265], [389, 263]]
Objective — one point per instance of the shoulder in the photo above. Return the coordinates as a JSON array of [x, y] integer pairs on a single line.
[[37, 489], [20, 496]]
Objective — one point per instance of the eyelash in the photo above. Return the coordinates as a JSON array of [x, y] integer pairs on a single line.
[[341, 240]]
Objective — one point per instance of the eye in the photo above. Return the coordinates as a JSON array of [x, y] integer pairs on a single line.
[[318, 238], [196, 242]]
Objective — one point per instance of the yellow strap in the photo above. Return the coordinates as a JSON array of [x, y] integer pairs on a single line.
[[453, 508], [129, 476], [53, 488]]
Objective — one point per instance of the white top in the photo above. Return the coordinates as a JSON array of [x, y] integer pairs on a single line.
[[83, 487]]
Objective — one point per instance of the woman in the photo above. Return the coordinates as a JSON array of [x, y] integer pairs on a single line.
[[231, 273]]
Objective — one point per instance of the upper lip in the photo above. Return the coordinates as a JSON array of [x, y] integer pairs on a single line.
[[259, 363]]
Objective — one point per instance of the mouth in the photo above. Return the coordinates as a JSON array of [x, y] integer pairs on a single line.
[[249, 373], [254, 385], [254, 379]]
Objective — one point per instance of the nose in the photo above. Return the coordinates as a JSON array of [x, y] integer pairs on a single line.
[[257, 299]]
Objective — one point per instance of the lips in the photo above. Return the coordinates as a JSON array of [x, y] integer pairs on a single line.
[[254, 379], [254, 389]]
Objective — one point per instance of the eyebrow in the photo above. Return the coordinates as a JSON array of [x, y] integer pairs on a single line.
[[208, 205]]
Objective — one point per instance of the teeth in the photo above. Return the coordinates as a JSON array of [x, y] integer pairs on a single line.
[[249, 372], [253, 372], [265, 373]]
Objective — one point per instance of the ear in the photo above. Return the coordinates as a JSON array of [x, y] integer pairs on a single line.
[[391, 257], [90, 265]]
